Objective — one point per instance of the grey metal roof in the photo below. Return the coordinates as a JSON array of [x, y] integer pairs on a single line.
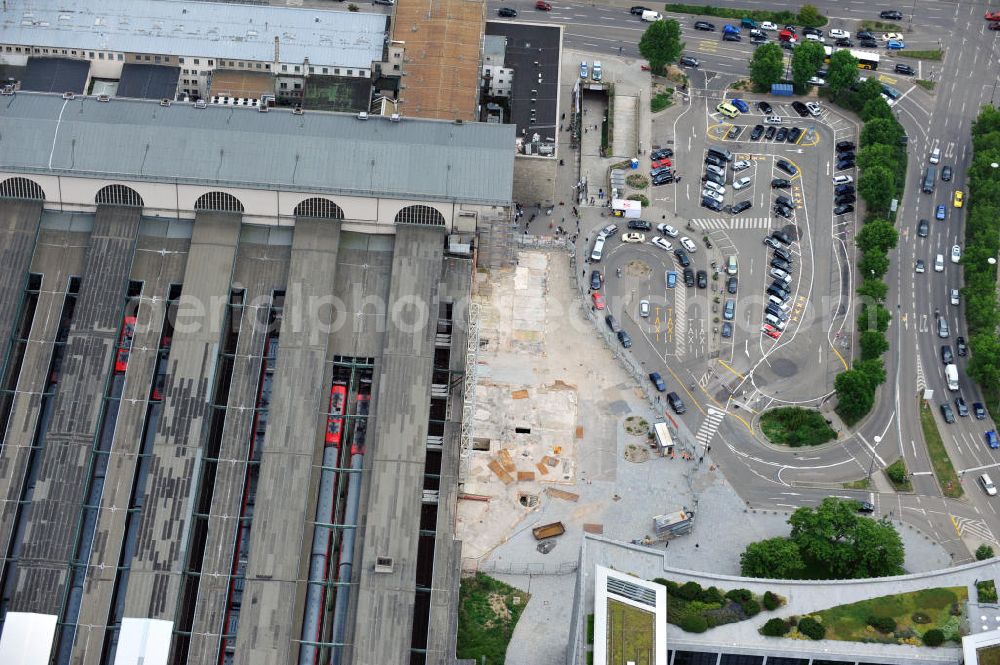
[[132, 139], [211, 29]]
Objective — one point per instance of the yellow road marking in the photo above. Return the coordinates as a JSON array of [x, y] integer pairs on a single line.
[[839, 356], [726, 365], [954, 523]]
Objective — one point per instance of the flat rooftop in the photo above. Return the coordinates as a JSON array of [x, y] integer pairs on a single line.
[[241, 83], [337, 93], [323, 152], [148, 81], [443, 41], [533, 54], [212, 29], [56, 75]]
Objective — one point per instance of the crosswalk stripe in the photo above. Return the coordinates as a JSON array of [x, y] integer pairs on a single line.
[[709, 426], [921, 381], [977, 528], [734, 224], [680, 318]]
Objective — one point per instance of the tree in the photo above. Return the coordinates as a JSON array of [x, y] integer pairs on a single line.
[[873, 317], [984, 366], [874, 290], [854, 396], [873, 344], [661, 44], [934, 637], [878, 235], [877, 186], [984, 552], [806, 59], [834, 537], [875, 108], [881, 130], [810, 17], [880, 154], [767, 65], [842, 72], [873, 370], [878, 549], [776, 558], [874, 264]]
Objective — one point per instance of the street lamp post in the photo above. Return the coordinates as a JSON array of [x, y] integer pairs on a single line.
[[871, 465]]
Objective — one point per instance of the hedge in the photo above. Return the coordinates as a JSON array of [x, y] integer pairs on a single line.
[[780, 17], [811, 628], [775, 628]]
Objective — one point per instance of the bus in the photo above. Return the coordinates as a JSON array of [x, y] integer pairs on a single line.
[[866, 59]]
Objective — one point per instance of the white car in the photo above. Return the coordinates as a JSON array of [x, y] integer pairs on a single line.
[[767, 25], [662, 243], [644, 309], [814, 108], [689, 245], [718, 189], [773, 120], [668, 230], [778, 273], [741, 183], [956, 253], [842, 180], [634, 237], [740, 164], [717, 170], [815, 80], [837, 33], [955, 297], [815, 38], [939, 263], [891, 35], [711, 194]]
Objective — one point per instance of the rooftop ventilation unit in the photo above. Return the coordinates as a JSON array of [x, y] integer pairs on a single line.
[[383, 564], [201, 104], [263, 108], [103, 98], [69, 95], [164, 102], [363, 115], [7, 90]]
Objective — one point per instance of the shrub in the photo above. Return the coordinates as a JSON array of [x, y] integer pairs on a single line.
[[984, 552], [694, 623], [775, 628], [811, 628], [986, 591], [772, 601], [640, 198], [739, 595], [750, 607], [711, 595], [688, 591], [933, 638], [896, 472], [920, 617], [884, 625]]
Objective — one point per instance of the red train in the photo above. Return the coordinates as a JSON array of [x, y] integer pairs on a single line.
[[335, 421]]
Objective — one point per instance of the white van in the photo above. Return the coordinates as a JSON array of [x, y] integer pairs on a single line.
[[935, 155], [650, 16], [731, 266], [598, 249], [987, 484], [951, 374], [774, 321]]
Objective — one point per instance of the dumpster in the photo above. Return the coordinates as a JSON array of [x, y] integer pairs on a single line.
[[548, 530]]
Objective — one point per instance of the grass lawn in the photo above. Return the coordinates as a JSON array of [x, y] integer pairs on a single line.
[[898, 470], [933, 54], [850, 622], [661, 100], [488, 610], [925, 84], [795, 426], [857, 485], [988, 655], [943, 468], [631, 634]]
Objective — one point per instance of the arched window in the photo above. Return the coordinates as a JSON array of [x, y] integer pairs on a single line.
[[218, 202], [424, 215], [320, 208], [21, 188], [119, 195]]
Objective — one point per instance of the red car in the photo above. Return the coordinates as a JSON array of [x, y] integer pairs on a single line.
[[771, 331], [994, 26], [544, 6], [661, 163], [992, 16], [598, 300]]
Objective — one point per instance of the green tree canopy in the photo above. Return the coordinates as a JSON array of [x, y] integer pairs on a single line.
[[873, 369], [875, 108], [854, 395], [806, 59], [873, 317], [767, 65], [810, 17], [873, 289], [835, 537], [842, 71], [984, 366], [876, 186], [874, 264], [986, 122], [877, 235], [881, 130], [775, 557], [661, 44], [873, 344]]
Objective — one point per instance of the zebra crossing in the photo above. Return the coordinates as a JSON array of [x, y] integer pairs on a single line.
[[680, 319], [974, 527], [735, 224], [709, 426]]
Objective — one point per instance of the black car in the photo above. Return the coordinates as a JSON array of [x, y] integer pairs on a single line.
[[905, 69], [844, 146], [868, 43], [765, 108], [727, 329], [845, 42], [782, 253], [781, 237], [800, 108], [624, 338], [786, 166], [812, 31], [865, 507], [688, 61], [711, 204], [732, 283], [663, 179], [702, 25], [682, 257], [740, 207], [783, 211], [847, 154], [923, 228], [688, 277], [639, 9], [891, 14], [714, 161], [758, 39], [676, 403], [843, 164], [731, 37], [777, 292], [781, 135], [595, 279], [780, 183], [783, 200], [508, 12], [946, 356], [960, 405], [662, 153], [612, 323], [864, 34], [949, 415], [781, 264], [757, 132], [640, 225], [794, 135], [845, 198], [769, 134], [775, 311], [734, 131], [946, 173], [788, 46], [843, 209], [779, 284], [843, 189], [702, 279], [963, 350]]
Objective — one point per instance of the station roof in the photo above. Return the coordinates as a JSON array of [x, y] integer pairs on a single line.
[[148, 81], [55, 75], [236, 147], [183, 28]]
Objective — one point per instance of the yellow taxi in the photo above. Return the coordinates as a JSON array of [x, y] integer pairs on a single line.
[[958, 199]]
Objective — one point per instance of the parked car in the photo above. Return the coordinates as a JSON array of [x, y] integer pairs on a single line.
[[777, 183], [740, 165], [702, 278], [644, 309], [787, 167], [638, 10], [543, 6], [598, 300], [662, 178], [711, 204], [625, 339], [814, 108], [844, 146], [727, 329], [662, 243], [794, 134], [756, 132], [688, 244], [844, 42], [634, 238], [507, 12], [843, 209], [740, 104], [742, 206], [676, 403], [688, 61], [595, 279], [658, 381], [769, 134], [732, 283], [704, 25], [661, 153], [764, 108], [840, 190], [844, 199], [688, 278], [781, 135], [729, 310], [800, 108]]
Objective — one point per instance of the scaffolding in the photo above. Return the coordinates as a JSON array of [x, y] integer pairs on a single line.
[[469, 394]]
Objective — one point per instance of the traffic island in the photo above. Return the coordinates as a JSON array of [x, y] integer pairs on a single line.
[[796, 426], [944, 470]]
